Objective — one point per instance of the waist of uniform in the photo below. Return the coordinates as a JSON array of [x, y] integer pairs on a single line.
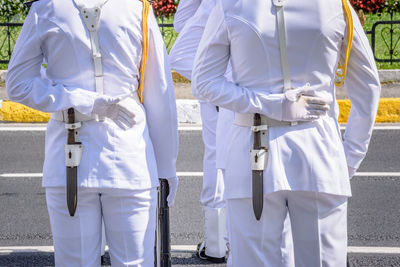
[[247, 120], [80, 117]]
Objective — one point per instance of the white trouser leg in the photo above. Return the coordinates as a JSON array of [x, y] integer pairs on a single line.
[[76, 239], [319, 229], [129, 219], [256, 243], [215, 232], [224, 124], [287, 244], [130, 223], [213, 186]]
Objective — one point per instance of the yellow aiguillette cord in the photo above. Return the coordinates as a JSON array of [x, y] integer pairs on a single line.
[[349, 20], [145, 28]]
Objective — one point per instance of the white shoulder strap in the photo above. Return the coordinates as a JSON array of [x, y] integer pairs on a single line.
[[279, 4], [91, 19]]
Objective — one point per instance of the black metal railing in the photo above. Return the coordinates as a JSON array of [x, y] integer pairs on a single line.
[[8, 36], [9, 33], [168, 33], [385, 37]]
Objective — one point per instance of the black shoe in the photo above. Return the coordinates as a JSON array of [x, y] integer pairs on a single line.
[[201, 253]]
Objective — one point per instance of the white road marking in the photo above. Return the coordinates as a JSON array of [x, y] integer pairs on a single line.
[[199, 174], [378, 174], [189, 174], [32, 249], [374, 250], [22, 129], [43, 128], [183, 128], [40, 175], [192, 248], [192, 128], [379, 127], [21, 175]]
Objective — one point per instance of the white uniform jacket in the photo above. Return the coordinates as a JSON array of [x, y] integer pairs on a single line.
[[309, 156], [183, 52], [186, 10], [54, 33]]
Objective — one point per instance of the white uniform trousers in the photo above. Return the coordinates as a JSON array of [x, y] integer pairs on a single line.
[[318, 222], [213, 182], [287, 244], [129, 220]]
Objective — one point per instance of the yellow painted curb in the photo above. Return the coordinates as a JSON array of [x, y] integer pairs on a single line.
[[388, 111], [11, 111], [177, 78]]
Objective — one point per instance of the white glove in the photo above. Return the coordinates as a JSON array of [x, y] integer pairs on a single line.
[[115, 108], [351, 171], [173, 187], [301, 104]]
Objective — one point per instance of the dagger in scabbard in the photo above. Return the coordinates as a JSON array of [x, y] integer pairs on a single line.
[[72, 172], [257, 175]]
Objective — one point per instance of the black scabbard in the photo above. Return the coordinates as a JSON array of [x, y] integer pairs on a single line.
[[72, 172], [72, 189], [258, 193], [258, 175], [164, 241]]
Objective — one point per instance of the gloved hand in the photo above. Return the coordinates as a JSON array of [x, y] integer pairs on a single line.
[[301, 104], [173, 187], [116, 109], [351, 171]]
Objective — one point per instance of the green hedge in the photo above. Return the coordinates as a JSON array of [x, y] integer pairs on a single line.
[[10, 9]]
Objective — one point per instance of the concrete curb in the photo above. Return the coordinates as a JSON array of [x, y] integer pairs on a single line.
[[3, 74], [389, 75], [189, 111]]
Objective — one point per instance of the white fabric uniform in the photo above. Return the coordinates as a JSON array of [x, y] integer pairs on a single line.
[[133, 159], [215, 124], [181, 57], [130, 240], [212, 193], [315, 218], [186, 10], [310, 156]]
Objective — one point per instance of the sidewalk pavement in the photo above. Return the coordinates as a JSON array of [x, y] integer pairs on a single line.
[[188, 107]]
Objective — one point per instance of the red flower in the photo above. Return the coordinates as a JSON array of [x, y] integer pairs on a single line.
[[372, 6], [165, 7]]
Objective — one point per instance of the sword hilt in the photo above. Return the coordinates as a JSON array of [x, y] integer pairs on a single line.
[[71, 132], [257, 135]]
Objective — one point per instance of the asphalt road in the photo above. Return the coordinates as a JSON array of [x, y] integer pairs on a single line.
[[373, 212]]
